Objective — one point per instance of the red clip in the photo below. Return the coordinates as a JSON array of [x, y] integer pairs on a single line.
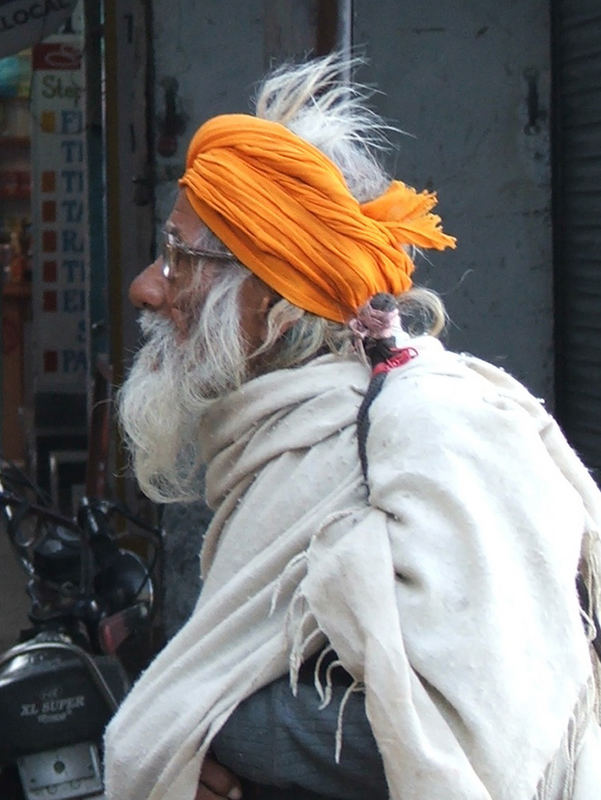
[[398, 358]]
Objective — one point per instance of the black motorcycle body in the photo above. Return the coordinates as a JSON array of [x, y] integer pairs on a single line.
[[91, 598], [55, 701]]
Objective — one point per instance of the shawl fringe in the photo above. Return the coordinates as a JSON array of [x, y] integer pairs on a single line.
[[566, 758], [590, 571]]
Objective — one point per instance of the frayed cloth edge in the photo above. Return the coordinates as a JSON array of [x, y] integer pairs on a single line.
[[566, 757]]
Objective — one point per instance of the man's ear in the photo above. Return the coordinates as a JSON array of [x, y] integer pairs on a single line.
[[256, 301], [284, 326]]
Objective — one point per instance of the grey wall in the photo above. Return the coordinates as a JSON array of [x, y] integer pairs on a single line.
[[471, 82], [217, 52], [214, 51]]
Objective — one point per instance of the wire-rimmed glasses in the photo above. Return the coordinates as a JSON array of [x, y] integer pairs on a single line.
[[179, 259]]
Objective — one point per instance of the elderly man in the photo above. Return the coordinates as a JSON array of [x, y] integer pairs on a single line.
[[401, 541]]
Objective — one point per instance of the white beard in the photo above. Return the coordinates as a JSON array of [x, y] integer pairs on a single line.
[[172, 383]]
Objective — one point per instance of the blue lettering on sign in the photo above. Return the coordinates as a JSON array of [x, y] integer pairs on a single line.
[[54, 87], [74, 301], [73, 210], [36, 11], [72, 241], [74, 268], [71, 121], [73, 150], [74, 361], [73, 180]]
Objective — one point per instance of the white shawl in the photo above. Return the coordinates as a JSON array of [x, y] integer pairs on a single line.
[[449, 594]]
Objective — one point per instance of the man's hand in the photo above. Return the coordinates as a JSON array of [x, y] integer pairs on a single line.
[[217, 782]]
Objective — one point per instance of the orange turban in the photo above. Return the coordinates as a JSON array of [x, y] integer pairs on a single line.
[[284, 210]]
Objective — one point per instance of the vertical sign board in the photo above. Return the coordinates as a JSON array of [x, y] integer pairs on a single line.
[[60, 217]]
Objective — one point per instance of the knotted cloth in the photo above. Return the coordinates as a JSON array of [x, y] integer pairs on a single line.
[[285, 211]]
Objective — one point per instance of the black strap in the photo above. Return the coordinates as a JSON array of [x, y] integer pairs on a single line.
[[373, 390]]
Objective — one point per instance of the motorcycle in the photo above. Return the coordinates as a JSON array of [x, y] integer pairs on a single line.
[[93, 583]]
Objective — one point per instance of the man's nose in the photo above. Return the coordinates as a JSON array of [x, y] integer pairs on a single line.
[[147, 290]]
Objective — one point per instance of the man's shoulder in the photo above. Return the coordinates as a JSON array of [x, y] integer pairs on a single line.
[[441, 377], [440, 394]]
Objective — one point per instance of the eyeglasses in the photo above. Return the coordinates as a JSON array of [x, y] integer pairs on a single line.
[[180, 260]]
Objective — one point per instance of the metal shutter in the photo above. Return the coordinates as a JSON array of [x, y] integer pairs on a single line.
[[577, 223]]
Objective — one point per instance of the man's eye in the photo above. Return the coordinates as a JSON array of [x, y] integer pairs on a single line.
[[176, 261], [184, 263]]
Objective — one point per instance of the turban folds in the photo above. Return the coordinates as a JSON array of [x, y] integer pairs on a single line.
[[284, 210]]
